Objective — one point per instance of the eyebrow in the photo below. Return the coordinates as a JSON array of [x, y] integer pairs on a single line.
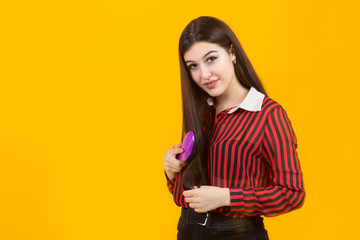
[[202, 57]]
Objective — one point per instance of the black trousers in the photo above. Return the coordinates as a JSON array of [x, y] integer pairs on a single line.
[[214, 226]]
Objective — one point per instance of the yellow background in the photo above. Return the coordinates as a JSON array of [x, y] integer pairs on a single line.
[[90, 101]]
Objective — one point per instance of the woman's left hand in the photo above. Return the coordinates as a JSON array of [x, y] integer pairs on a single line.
[[207, 198]]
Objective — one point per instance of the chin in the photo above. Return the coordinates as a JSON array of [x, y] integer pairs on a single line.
[[214, 94]]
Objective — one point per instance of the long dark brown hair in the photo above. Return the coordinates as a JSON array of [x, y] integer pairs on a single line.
[[198, 116]]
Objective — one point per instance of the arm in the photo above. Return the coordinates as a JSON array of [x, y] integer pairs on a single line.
[[172, 166], [286, 192]]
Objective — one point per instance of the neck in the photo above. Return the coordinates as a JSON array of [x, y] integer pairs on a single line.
[[235, 95]]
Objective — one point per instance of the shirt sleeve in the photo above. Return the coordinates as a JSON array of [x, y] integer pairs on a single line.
[[170, 183], [286, 190]]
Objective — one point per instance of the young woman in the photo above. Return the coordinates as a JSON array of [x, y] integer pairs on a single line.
[[244, 162]]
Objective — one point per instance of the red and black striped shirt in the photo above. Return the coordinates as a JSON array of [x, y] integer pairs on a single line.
[[253, 153]]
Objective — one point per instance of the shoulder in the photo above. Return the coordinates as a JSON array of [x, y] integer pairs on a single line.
[[271, 109], [269, 105]]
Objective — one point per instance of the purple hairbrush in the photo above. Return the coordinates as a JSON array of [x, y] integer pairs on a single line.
[[187, 146]]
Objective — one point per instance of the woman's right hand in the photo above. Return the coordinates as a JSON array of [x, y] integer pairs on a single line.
[[171, 164]]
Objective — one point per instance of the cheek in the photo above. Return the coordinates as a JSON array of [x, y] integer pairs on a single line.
[[224, 71], [196, 77], [222, 67]]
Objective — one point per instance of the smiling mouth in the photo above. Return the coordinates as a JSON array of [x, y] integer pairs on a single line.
[[211, 84], [208, 83]]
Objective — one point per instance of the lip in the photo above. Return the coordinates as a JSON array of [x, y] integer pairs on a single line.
[[211, 84]]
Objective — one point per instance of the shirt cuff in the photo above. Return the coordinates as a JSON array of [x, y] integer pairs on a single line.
[[236, 199], [172, 181]]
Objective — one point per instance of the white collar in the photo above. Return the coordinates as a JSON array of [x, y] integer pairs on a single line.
[[252, 102]]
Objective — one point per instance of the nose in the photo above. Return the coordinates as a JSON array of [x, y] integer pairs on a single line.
[[205, 72]]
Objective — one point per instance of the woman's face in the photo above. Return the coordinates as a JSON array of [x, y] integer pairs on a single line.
[[211, 67]]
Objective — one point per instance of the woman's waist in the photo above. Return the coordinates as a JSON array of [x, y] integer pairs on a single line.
[[216, 218]]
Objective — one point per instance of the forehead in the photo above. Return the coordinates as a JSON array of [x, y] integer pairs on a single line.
[[199, 49]]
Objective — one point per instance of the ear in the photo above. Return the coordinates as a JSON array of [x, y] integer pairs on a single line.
[[232, 52]]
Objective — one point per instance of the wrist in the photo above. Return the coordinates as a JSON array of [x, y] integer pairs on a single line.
[[226, 194], [170, 175]]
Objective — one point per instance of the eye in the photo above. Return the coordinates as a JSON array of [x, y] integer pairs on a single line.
[[211, 59], [192, 66]]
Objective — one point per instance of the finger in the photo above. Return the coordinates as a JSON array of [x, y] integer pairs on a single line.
[[176, 163], [172, 167], [190, 200], [176, 146], [175, 169], [187, 193], [199, 210], [194, 205], [172, 164], [177, 150]]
